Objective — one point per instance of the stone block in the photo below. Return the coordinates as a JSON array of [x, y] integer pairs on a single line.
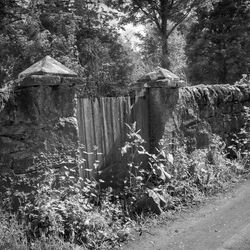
[[40, 117], [40, 80]]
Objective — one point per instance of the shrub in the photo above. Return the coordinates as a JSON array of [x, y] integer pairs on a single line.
[[174, 179], [60, 210], [61, 207]]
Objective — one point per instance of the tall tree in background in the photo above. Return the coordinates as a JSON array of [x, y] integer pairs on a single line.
[[150, 50], [32, 30], [75, 32], [165, 15], [218, 46], [102, 54]]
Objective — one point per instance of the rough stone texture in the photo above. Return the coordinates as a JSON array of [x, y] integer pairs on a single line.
[[39, 117], [157, 74], [4, 96], [36, 120], [159, 78], [194, 112]]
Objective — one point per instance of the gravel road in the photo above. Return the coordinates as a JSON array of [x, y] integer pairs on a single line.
[[222, 224]]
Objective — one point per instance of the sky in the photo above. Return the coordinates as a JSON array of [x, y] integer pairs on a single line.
[[129, 34]]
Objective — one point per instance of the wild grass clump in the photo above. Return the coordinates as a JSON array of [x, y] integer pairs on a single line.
[[57, 209], [60, 211], [5, 93], [175, 178]]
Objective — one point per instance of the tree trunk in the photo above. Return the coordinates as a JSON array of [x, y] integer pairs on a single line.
[[165, 63]]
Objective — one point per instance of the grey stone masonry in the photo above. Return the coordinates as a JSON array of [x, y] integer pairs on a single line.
[[192, 112], [39, 121]]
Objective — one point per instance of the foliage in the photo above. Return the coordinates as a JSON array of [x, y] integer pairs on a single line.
[[240, 143], [150, 51], [244, 80], [13, 237], [106, 62], [218, 44], [57, 209], [5, 94], [174, 178], [165, 16], [77, 34], [143, 183], [34, 35], [102, 54]]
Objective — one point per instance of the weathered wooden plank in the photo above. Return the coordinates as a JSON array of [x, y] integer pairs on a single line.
[[80, 131], [110, 137], [102, 124], [105, 126], [83, 123], [145, 123], [121, 114], [125, 118], [138, 115], [128, 113], [103, 131], [83, 140], [94, 139], [89, 133], [98, 131], [110, 117], [116, 129]]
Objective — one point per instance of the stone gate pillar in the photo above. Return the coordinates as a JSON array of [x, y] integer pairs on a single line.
[[39, 120], [163, 94]]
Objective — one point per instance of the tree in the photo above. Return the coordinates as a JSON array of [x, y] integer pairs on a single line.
[[105, 59], [10, 11], [218, 46], [32, 30], [165, 15], [151, 50], [76, 33]]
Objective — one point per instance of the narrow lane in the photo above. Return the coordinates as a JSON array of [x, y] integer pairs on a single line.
[[223, 224]]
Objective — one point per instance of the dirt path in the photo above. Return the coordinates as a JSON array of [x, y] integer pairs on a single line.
[[223, 224]]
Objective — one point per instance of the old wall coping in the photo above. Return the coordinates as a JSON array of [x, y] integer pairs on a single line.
[[49, 80], [164, 83]]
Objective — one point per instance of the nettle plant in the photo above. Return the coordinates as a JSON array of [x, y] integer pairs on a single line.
[[57, 204], [142, 186], [241, 142], [172, 178], [244, 80], [62, 206]]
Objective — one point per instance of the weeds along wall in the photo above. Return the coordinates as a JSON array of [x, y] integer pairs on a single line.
[[39, 120]]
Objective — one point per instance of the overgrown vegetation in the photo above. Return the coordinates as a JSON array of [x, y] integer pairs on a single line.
[[64, 211], [57, 209], [218, 45], [211, 36]]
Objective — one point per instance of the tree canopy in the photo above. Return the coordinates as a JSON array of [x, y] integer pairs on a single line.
[[76, 33], [165, 15], [218, 45], [85, 36]]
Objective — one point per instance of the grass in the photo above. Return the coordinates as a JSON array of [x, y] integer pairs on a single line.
[[78, 214]]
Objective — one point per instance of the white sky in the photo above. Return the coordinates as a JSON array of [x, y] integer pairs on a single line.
[[129, 34]]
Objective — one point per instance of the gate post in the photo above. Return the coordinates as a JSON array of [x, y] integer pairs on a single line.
[[39, 120], [162, 86]]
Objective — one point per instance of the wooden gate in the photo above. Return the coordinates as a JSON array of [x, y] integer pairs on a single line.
[[102, 129]]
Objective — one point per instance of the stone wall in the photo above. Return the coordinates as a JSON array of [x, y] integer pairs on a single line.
[[39, 121], [196, 112]]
